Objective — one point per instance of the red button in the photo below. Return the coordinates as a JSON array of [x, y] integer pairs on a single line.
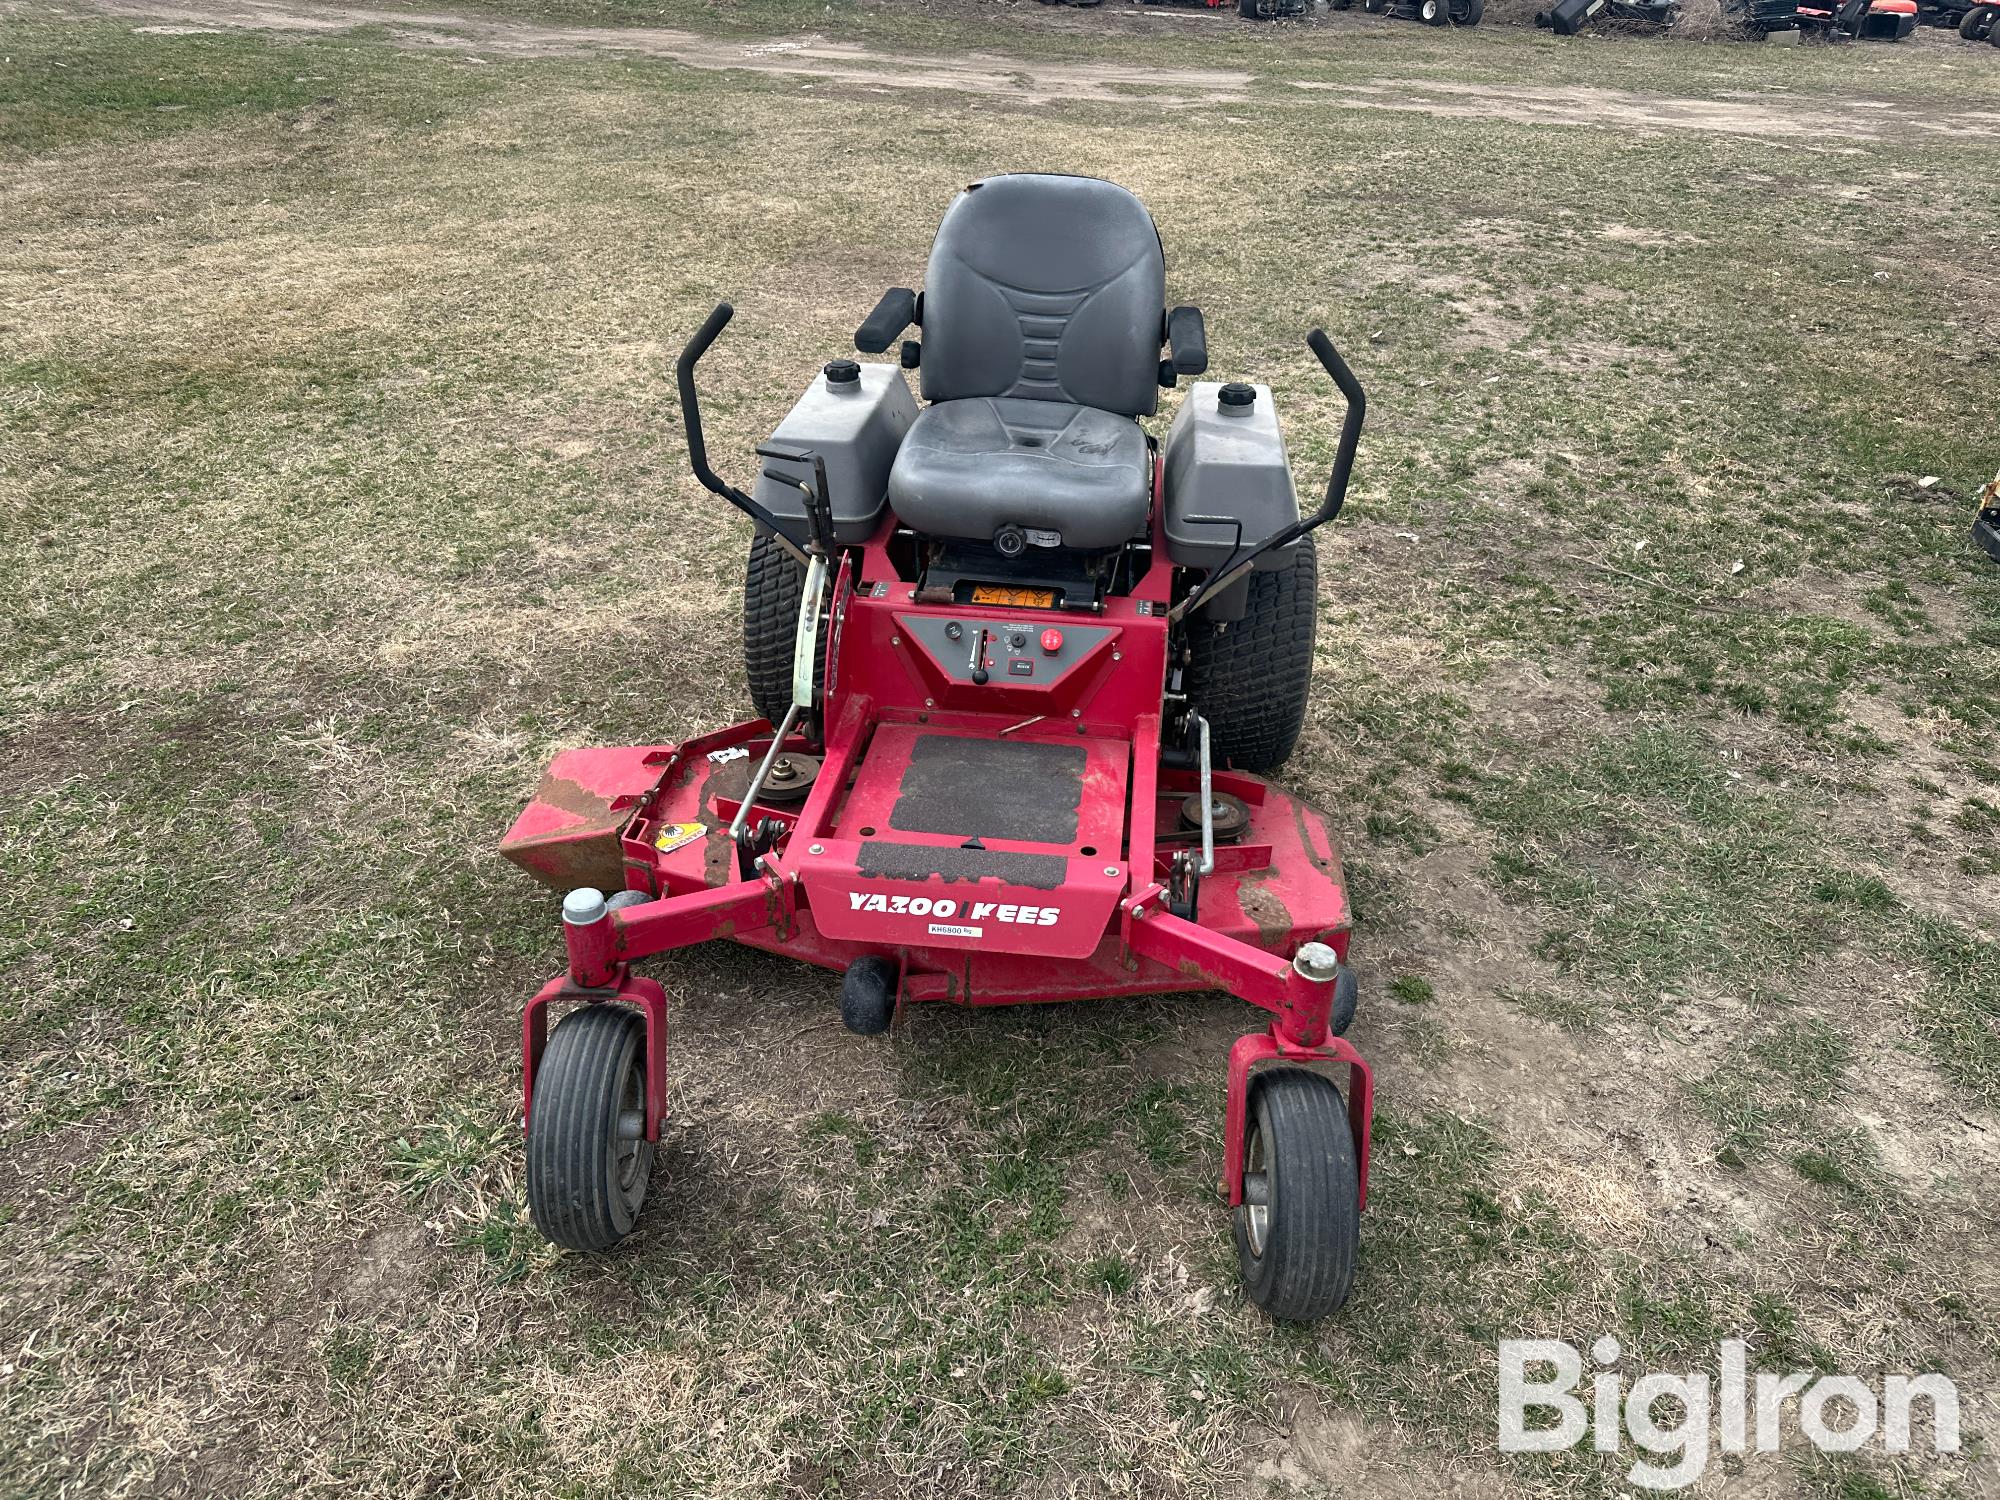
[[1051, 641]]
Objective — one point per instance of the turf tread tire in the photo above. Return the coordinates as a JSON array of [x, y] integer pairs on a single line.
[[773, 583], [1251, 681], [572, 1126], [1307, 1268]]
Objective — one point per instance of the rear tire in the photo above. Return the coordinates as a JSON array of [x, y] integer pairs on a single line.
[[1297, 1247], [1251, 680], [587, 1168], [773, 584], [1467, 12], [1977, 24], [1434, 12]]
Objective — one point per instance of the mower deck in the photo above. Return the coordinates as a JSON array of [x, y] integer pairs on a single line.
[[987, 828], [659, 816]]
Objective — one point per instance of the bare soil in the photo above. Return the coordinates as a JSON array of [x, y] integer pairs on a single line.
[[1020, 80], [1033, 81]]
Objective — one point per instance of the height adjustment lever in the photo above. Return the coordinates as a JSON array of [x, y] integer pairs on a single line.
[[978, 661]]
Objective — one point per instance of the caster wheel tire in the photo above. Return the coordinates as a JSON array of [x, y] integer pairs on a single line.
[[1374, 7], [1434, 12], [1977, 24], [588, 1157], [868, 996], [1346, 1001], [1467, 12], [1298, 1227]]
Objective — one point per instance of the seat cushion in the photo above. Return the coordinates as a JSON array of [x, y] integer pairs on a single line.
[[968, 468]]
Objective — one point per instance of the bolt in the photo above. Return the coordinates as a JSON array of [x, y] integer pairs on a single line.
[[1317, 962], [1076, 713], [583, 906], [815, 849], [1111, 869]]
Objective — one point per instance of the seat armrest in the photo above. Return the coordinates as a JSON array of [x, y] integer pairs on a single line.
[[1187, 338], [895, 312]]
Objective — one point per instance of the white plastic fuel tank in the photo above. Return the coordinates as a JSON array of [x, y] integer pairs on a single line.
[[854, 417], [1225, 457]]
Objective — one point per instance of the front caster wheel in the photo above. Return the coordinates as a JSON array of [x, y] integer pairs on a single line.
[[588, 1156], [1298, 1226]]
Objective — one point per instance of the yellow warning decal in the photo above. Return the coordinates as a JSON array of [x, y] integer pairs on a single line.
[[678, 836]]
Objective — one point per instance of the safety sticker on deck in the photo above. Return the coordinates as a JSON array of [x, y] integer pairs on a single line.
[[678, 836], [955, 929]]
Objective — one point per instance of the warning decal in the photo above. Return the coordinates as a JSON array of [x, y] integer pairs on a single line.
[[678, 835]]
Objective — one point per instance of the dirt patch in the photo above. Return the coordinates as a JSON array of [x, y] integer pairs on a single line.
[[1030, 81], [1321, 1451], [1597, 109], [1019, 80]]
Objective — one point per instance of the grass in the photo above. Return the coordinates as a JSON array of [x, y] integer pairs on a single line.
[[343, 488]]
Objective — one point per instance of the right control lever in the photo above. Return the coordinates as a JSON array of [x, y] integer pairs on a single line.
[[1336, 483]]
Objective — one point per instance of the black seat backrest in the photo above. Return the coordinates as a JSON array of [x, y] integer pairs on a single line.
[[1047, 288]]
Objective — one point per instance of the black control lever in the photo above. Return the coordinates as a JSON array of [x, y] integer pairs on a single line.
[[819, 503], [1336, 482], [691, 420]]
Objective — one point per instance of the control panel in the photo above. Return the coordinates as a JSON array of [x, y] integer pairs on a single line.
[[1019, 653]]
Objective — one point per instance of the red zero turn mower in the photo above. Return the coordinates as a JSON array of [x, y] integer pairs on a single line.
[[1022, 662]]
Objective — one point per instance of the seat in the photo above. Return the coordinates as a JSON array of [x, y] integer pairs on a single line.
[[1042, 317], [1069, 476]]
